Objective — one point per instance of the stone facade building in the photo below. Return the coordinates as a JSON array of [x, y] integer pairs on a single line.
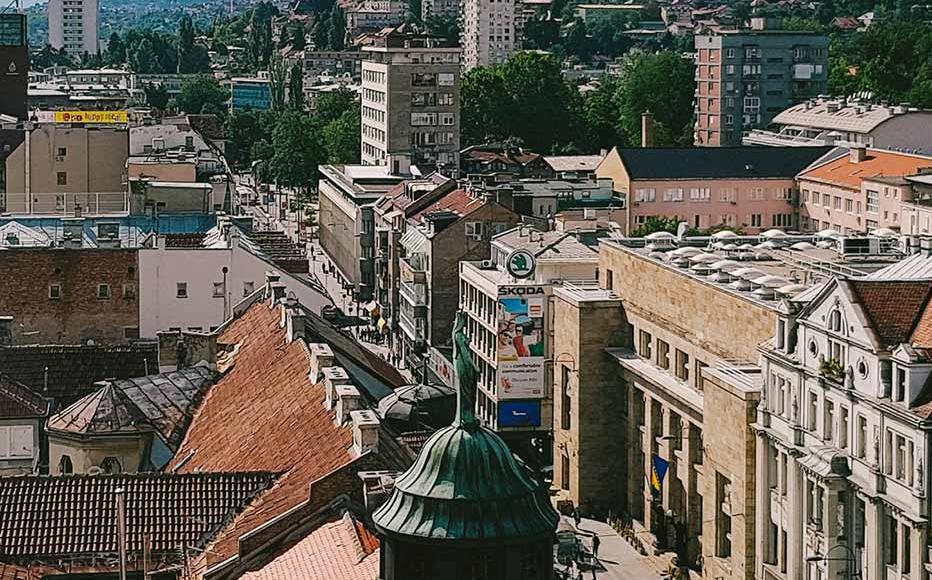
[[410, 103], [843, 442]]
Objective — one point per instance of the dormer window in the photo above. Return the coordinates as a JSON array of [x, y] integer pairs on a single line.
[[899, 385]]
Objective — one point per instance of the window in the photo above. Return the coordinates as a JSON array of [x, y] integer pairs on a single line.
[[219, 290], [849, 206], [129, 291], [812, 411], [55, 292], [729, 53], [16, 441], [445, 98], [673, 194], [682, 365], [646, 194], [64, 466], [423, 119], [722, 516], [663, 354], [248, 288], [837, 204], [181, 290], [62, 178], [842, 436], [756, 220], [103, 291], [130, 333], [828, 424], [644, 344], [62, 151], [424, 79], [565, 401], [111, 465], [608, 279], [890, 540], [447, 119], [445, 80], [861, 441], [700, 193], [872, 200], [564, 472], [473, 230]]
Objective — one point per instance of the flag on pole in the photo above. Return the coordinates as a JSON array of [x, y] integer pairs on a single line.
[[658, 470]]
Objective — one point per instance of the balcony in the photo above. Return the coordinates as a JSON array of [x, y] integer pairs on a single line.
[[413, 268], [414, 294], [410, 327]]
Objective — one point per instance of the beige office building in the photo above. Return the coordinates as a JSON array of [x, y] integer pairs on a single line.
[[64, 170], [410, 104]]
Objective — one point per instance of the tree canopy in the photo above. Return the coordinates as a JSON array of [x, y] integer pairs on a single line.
[[203, 94]]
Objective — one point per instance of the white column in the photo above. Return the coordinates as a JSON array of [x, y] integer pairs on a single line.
[[762, 512], [873, 540], [795, 516]]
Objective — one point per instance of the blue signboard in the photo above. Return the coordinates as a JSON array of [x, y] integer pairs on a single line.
[[519, 414]]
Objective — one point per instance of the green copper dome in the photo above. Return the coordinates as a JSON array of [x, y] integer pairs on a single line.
[[467, 485]]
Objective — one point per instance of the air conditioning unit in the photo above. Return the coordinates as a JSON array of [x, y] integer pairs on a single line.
[[487, 264]]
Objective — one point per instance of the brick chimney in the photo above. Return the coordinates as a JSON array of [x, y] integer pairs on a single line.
[[271, 277], [333, 377], [365, 431], [348, 400]]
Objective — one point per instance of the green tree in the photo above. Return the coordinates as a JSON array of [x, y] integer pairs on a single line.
[[296, 87], [662, 83], [48, 56], [278, 79], [332, 105], [203, 93], [297, 150], [337, 40], [341, 137], [156, 96], [482, 106], [298, 39], [576, 40], [116, 50], [535, 85], [656, 224], [600, 116], [244, 129]]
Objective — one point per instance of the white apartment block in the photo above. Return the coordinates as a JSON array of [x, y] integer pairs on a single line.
[[73, 26], [489, 32], [843, 430]]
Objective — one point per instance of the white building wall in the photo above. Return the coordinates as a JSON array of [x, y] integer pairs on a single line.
[[161, 269]]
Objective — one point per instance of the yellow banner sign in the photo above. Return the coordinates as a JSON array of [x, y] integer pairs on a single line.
[[91, 117]]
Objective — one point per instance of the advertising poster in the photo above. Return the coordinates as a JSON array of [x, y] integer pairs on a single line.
[[519, 414], [520, 345]]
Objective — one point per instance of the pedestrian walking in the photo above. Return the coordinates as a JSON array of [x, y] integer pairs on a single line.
[[595, 546], [576, 516]]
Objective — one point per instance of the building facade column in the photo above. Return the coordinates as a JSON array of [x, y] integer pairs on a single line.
[[873, 568], [762, 494], [647, 445], [795, 527]]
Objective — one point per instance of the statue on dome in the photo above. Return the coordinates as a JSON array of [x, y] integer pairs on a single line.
[[466, 375]]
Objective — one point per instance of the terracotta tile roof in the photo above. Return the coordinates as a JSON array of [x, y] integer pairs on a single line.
[[264, 414], [43, 517], [16, 572], [19, 401], [73, 369], [341, 549], [458, 201], [893, 308], [844, 173]]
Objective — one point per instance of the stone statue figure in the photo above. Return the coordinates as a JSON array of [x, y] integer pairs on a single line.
[[876, 446], [849, 377], [920, 485], [794, 407], [465, 376]]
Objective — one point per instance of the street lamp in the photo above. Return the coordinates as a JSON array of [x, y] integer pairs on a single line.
[[850, 560]]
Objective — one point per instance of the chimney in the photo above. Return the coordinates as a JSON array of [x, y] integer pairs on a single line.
[[321, 358], [333, 377], [376, 487], [647, 129], [72, 232], [348, 400], [365, 432], [858, 154], [277, 293], [271, 277], [925, 247], [295, 320]]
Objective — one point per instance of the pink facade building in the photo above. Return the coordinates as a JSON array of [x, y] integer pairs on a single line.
[[859, 191], [738, 187]]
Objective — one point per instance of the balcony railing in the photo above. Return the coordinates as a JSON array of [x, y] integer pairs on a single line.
[[415, 294], [409, 327]]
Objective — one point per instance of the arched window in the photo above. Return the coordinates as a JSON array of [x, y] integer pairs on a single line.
[[834, 321], [64, 466], [111, 465]]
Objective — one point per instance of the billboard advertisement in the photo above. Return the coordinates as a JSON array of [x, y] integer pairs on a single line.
[[519, 414], [109, 117], [520, 343]]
